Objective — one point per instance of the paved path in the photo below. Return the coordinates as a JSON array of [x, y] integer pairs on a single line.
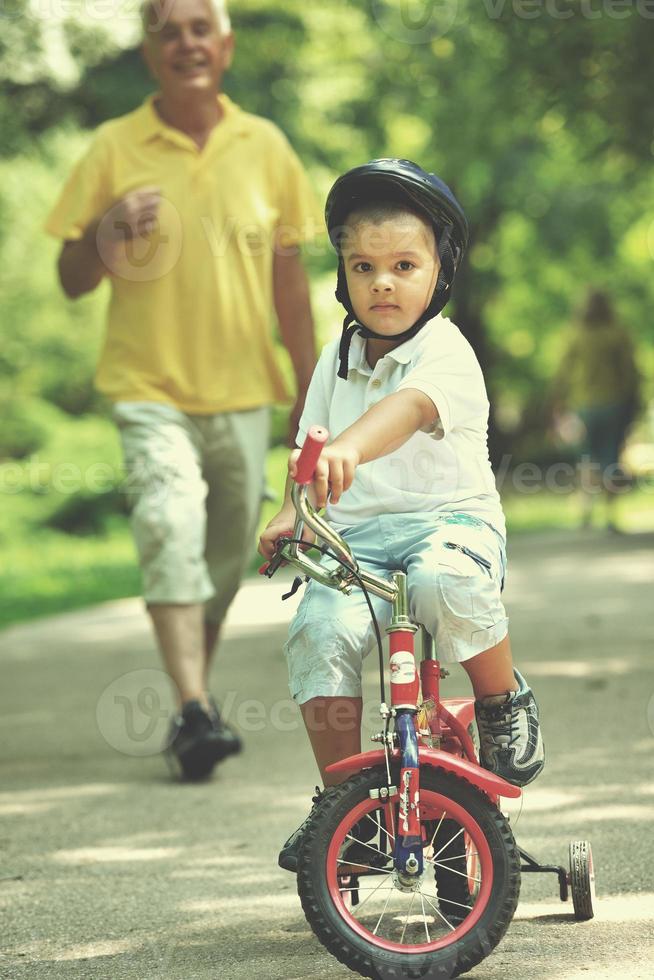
[[110, 870]]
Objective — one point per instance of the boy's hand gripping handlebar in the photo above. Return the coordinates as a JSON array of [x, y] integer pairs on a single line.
[[290, 551], [307, 461]]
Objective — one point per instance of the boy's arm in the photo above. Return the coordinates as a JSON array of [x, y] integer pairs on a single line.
[[380, 430], [389, 424]]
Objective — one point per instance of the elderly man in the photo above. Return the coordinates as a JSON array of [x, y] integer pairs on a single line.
[[194, 210]]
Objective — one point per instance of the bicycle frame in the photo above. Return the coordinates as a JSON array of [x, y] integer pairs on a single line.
[[450, 746]]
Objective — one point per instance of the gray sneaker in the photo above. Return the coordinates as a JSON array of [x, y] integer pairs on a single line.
[[511, 744]]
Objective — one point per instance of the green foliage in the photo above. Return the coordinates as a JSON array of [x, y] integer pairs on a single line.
[[48, 346], [542, 123], [24, 429], [73, 481]]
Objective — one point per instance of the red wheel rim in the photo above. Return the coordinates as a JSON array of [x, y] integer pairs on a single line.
[[433, 806]]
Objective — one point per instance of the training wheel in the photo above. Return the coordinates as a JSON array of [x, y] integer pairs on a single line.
[[582, 879]]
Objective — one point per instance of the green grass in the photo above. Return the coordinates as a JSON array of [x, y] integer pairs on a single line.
[[46, 572], [52, 572]]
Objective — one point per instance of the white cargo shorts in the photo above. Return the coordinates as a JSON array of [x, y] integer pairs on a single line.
[[194, 485], [455, 565]]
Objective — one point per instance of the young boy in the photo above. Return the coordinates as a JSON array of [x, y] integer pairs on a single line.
[[406, 478]]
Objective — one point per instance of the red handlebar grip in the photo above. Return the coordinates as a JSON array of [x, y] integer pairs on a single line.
[[310, 454]]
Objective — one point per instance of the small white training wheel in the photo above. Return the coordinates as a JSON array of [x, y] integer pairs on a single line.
[[582, 879]]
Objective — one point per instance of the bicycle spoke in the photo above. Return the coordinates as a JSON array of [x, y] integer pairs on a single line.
[[431, 842], [438, 912], [424, 916], [406, 921], [450, 901], [358, 888], [374, 932], [372, 892], [389, 810], [363, 844], [357, 864], [457, 857], [383, 829], [447, 844], [453, 871]]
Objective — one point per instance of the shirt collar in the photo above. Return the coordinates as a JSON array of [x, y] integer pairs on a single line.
[[151, 124], [401, 354]]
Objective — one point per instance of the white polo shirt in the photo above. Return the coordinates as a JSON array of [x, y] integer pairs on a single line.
[[447, 469]]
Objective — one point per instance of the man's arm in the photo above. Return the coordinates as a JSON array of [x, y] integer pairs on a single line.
[[84, 263], [293, 308], [80, 267]]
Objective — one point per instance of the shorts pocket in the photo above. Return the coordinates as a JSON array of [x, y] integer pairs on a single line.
[[473, 599]]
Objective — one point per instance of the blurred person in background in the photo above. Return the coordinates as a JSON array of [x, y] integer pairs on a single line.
[[599, 383], [194, 210]]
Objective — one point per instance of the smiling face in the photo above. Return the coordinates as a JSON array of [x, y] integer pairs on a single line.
[[391, 267], [185, 47]]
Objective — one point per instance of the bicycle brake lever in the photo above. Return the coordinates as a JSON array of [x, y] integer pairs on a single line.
[[270, 567], [298, 581]]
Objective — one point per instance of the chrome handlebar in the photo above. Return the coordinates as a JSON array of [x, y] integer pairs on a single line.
[[341, 578]]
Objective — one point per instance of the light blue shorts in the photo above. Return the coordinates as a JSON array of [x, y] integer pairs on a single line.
[[454, 594]]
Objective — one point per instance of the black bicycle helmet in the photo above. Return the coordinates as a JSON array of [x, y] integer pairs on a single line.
[[403, 182]]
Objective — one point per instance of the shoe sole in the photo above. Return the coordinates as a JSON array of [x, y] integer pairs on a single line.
[[288, 864], [198, 764]]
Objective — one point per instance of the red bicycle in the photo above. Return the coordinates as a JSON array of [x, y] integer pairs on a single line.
[[409, 868]]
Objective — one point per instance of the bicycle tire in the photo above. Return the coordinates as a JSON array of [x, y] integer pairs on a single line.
[[335, 924]]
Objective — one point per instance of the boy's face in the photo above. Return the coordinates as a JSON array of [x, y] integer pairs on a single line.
[[391, 269]]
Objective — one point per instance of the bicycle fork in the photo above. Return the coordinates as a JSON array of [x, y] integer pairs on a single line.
[[405, 687]]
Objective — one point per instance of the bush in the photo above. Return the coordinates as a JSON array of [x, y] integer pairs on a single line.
[[26, 426], [86, 513]]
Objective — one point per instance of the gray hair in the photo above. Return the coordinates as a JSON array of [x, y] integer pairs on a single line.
[[162, 7]]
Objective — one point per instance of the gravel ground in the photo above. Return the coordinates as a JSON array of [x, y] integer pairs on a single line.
[[109, 869]]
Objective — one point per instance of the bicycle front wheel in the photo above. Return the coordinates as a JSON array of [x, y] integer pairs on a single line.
[[382, 927]]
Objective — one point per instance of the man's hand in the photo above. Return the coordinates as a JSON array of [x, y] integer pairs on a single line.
[[334, 471], [134, 215]]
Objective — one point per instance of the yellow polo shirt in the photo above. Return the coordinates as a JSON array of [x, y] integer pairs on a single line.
[[190, 316]]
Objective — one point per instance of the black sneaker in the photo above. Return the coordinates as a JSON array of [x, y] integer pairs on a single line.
[[288, 854], [200, 739], [358, 851], [231, 741], [511, 744]]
